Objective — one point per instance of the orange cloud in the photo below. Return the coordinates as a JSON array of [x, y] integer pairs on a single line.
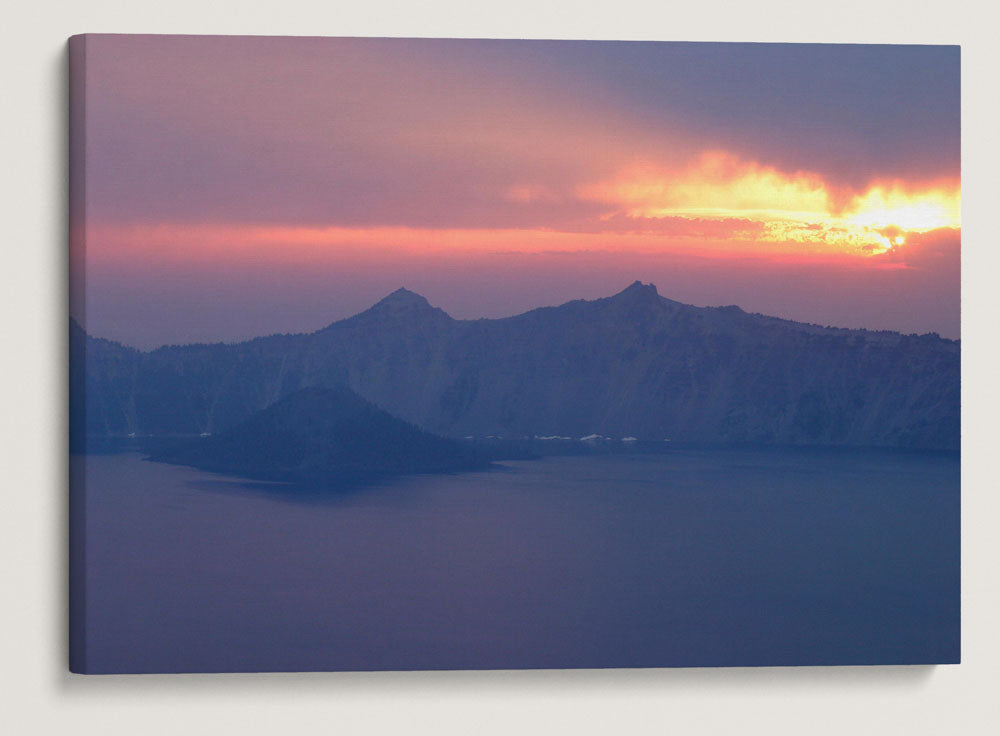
[[796, 207], [717, 185], [259, 245], [892, 205], [718, 206]]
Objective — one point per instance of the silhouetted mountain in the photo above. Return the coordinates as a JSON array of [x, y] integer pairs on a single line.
[[634, 364], [101, 386], [401, 307], [324, 435]]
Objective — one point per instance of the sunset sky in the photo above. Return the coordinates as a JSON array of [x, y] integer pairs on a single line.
[[239, 186]]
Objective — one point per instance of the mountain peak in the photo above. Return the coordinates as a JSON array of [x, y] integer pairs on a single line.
[[403, 297], [403, 304], [637, 289]]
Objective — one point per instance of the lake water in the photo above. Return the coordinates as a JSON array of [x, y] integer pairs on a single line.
[[694, 558]]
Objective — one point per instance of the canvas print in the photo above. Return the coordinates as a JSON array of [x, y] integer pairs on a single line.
[[397, 354]]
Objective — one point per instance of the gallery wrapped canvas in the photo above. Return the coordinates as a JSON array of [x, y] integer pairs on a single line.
[[396, 354]]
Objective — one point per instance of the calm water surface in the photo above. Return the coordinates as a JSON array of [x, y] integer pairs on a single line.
[[708, 557]]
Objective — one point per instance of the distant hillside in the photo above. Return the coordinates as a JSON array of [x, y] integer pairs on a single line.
[[634, 364], [324, 435]]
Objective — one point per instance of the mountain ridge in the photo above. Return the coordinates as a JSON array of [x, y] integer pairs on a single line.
[[75, 324], [632, 364]]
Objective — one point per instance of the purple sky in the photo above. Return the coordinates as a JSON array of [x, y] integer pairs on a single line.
[[239, 186]]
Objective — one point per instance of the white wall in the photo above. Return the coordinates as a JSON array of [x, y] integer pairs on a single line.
[[37, 694]]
